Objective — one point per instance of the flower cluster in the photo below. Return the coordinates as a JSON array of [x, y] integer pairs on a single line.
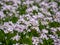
[[30, 22]]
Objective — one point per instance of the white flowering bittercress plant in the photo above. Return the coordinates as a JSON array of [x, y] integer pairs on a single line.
[[29, 22]]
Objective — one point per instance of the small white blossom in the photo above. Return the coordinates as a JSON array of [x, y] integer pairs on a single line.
[[40, 15], [44, 36], [52, 36], [44, 22], [16, 44], [1, 14], [29, 10], [44, 31], [35, 8], [35, 40], [17, 37]]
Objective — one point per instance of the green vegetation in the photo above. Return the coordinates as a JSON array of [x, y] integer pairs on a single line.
[[48, 42], [54, 24], [14, 19], [58, 33], [9, 3], [35, 12], [22, 9], [41, 26], [24, 39]]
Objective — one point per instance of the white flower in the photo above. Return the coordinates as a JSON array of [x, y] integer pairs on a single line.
[[58, 14], [7, 7], [44, 31], [44, 36], [44, 22], [57, 20], [0, 42], [9, 25], [34, 7], [53, 29], [35, 40], [27, 2], [31, 2], [1, 14], [34, 22], [17, 37], [52, 36], [19, 28], [41, 41], [42, 3], [38, 1], [48, 18], [58, 28], [29, 10], [10, 28], [40, 15], [36, 28], [16, 44], [48, 13], [17, 1], [28, 30], [5, 31], [34, 16], [53, 4]]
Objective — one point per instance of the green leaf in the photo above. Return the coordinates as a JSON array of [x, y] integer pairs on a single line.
[[24, 40], [41, 26], [40, 44], [8, 42], [36, 4], [58, 33], [34, 33], [34, 12], [48, 42], [50, 11], [14, 19], [1, 21], [10, 35], [22, 9], [5, 11], [2, 35], [49, 31], [54, 24], [0, 6], [7, 19]]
